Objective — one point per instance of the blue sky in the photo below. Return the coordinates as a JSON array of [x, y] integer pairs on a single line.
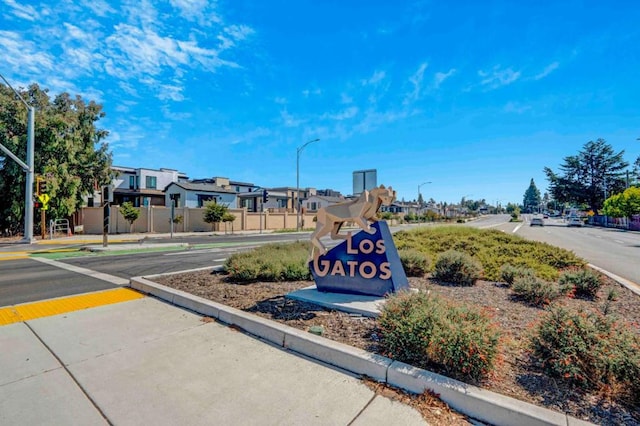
[[475, 97]]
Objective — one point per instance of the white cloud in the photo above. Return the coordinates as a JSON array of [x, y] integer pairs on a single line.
[[342, 115], [306, 93], [498, 77], [440, 77], [376, 78], [201, 11], [22, 11], [416, 80], [98, 7], [548, 70], [280, 100], [170, 92], [345, 99], [18, 53], [288, 120]]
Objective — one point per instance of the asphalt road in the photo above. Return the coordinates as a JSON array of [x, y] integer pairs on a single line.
[[617, 251], [27, 280]]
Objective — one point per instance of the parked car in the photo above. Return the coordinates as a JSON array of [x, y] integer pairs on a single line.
[[574, 221], [537, 221]]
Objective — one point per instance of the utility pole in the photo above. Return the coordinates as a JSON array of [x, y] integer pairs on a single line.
[[28, 168]]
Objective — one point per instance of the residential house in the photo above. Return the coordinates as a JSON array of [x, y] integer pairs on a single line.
[[292, 196], [190, 194], [142, 186], [316, 202]]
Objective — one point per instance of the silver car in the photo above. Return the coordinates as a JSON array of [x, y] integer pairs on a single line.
[[574, 221], [537, 221]]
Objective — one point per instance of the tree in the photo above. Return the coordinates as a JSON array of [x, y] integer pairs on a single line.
[[586, 177], [531, 199], [69, 151], [214, 213], [625, 204], [130, 213], [228, 217]]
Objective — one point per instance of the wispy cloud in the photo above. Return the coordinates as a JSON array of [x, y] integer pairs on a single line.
[[22, 11], [440, 77], [416, 80], [342, 115], [376, 78], [23, 54], [498, 77], [306, 93], [548, 70], [288, 120]]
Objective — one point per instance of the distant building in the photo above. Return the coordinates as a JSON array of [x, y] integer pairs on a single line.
[[364, 180]]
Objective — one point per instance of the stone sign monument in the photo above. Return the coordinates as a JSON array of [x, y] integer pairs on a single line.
[[366, 263]]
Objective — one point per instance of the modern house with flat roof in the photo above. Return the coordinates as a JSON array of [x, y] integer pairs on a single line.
[[142, 186]]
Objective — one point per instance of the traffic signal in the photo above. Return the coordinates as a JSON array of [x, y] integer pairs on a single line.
[[41, 187], [265, 196]]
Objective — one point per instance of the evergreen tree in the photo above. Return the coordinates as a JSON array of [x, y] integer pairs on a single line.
[[532, 200]]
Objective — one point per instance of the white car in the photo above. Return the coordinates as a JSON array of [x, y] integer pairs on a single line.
[[537, 220], [574, 221]]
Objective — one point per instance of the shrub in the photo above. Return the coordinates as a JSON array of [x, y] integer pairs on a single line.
[[425, 330], [490, 247], [508, 273], [586, 282], [457, 268], [415, 263], [271, 262], [534, 290], [589, 350]]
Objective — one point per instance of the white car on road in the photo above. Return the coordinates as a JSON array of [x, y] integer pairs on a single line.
[[574, 221]]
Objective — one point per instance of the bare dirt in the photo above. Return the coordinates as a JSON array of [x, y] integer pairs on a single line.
[[515, 376]]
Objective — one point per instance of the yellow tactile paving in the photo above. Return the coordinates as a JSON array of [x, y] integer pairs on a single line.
[[12, 255], [29, 311]]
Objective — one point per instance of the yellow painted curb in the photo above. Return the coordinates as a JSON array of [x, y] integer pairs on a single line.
[[46, 308]]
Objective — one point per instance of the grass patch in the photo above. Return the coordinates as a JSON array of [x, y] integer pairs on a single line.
[[271, 262], [492, 248]]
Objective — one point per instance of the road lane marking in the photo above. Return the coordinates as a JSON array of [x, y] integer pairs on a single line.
[[518, 227], [62, 305], [84, 271]]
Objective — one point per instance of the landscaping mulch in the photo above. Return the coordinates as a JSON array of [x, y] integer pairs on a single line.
[[516, 375]]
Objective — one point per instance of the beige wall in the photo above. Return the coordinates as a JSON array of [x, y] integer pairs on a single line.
[[156, 220]]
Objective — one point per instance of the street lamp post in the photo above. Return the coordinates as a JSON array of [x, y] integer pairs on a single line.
[[419, 186], [297, 206], [28, 168]]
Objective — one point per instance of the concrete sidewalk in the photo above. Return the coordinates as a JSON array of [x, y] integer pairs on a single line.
[[148, 362]]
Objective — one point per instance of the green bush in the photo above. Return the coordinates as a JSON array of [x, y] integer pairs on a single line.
[[508, 273], [271, 262], [457, 268], [586, 282], [415, 263], [492, 248], [534, 290], [426, 330], [589, 350]]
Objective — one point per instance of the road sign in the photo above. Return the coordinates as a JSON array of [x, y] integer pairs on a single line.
[[44, 199]]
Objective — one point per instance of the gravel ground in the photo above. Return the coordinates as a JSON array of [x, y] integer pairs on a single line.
[[515, 376]]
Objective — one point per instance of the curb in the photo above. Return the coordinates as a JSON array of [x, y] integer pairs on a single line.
[[470, 400]]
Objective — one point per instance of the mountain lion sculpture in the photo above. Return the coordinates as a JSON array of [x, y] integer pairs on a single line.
[[361, 211]]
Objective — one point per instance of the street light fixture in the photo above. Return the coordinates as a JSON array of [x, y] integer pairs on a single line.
[[298, 152], [28, 168], [419, 186]]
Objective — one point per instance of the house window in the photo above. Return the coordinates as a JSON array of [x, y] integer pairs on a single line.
[[132, 182], [202, 199], [237, 189], [151, 182]]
